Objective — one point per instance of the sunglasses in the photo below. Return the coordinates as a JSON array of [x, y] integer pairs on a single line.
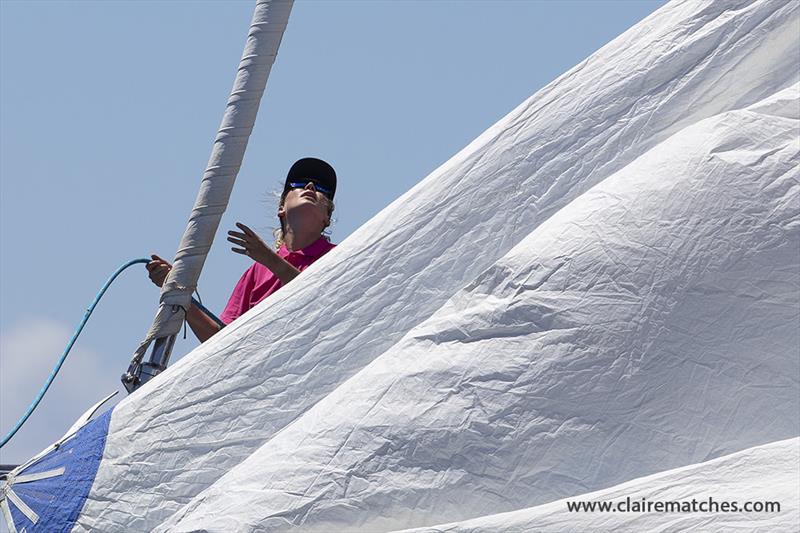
[[301, 184]]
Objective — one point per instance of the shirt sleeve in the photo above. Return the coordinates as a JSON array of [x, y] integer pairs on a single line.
[[237, 303]]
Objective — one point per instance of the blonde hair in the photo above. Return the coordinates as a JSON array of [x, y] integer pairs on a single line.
[[278, 233]]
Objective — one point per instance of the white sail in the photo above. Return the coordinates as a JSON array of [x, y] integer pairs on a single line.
[[755, 479], [601, 287], [624, 336], [226, 400]]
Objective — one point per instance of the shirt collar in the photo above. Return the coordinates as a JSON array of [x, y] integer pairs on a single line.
[[315, 249]]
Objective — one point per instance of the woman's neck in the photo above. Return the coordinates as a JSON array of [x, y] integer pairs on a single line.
[[297, 238]]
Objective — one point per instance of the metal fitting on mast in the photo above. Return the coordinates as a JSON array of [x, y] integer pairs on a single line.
[[140, 373]]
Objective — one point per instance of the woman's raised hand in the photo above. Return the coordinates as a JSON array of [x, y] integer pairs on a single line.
[[250, 244]]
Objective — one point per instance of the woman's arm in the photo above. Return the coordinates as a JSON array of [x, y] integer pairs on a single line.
[[203, 326]]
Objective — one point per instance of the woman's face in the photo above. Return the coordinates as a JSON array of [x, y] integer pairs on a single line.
[[306, 204]]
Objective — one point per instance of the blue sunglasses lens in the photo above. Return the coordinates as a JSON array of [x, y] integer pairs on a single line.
[[302, 184]]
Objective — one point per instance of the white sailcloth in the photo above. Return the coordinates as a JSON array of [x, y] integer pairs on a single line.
[[754, 479], [624, 241], [648, 325]]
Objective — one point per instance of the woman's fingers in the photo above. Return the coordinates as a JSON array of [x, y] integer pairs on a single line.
[[238, 242], [245, 229], [158, 274], [152, 265], [248, 242], [158, 260]]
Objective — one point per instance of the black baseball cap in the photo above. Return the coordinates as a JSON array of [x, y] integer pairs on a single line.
[[311, 168]]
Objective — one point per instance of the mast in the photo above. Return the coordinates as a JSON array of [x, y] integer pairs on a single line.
[[263, 40]]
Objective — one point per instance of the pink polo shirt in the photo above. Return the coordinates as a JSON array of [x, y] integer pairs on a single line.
[[258, 281]]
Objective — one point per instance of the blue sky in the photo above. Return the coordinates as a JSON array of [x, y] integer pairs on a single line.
[[107, 115]]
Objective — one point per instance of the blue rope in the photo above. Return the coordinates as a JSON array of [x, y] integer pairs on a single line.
[[75, 337], [208, 313]]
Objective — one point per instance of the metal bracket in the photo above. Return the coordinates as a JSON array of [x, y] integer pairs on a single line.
[[140, 373]]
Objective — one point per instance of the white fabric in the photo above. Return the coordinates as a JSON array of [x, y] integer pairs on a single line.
[[626, 335], [263, 39], [423, 371], [4, 508], [767, 473]]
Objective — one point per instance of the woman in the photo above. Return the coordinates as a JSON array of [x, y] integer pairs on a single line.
[[304, 211]]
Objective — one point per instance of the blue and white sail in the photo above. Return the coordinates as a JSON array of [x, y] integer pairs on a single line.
[[600, 288]]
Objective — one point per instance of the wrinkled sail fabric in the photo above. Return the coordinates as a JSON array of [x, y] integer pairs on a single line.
[[648, 325], [598, 288], [263, 39], [752, 478]]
